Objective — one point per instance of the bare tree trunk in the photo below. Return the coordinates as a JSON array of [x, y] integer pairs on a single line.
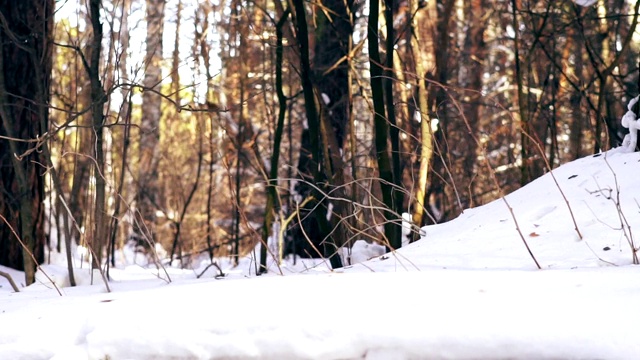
[[331, 67], [385, 166], [313, 160], [79, 194], [525, 130], [98, 98], [394, 131], [175, 58], [471, 71], [272, 194], [147, 201], [239, 145], [201, 48], [125, 113], [423, 50], [243, 128], [25, 72]]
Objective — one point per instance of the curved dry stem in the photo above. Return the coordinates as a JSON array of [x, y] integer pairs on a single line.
[[25, 248], [494, 178], [566, 201], [624, 223], [10, 279]]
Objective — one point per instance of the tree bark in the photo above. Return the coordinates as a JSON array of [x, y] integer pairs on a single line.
[[471, 70], [381, 126], [25, 73], [423, 56], [394, 131], [331, 67], [315, 155], [147, 199], [175, 56], [125, 114], [98, 98], [272, 193]]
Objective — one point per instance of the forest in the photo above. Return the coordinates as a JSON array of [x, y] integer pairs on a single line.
[[185, 128]]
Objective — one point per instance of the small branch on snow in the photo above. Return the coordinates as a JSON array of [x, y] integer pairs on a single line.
[[566, 201], [220, 272], [30, 253], [624, 223], [8, 277]]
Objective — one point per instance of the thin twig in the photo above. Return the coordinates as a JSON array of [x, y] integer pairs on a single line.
[[624, 223], [25, 248], [221, 273], [546, 161], [493, 176], [8, 277]]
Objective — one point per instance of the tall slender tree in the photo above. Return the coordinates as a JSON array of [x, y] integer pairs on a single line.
[[98, 99], [470, 75], [272, 194], [423, 53], [125, 113], [381, 125], [147, 199]]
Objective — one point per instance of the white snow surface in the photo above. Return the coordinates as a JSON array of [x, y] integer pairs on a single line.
[[585, 3], [467, 290]]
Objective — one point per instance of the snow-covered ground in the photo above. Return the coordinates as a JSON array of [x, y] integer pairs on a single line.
[[468, 290]]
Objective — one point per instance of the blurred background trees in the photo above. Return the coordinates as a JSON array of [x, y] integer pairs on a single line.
[[196, 102]]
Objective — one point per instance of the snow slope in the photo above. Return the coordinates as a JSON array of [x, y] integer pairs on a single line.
[[486, 237], [467, 290]]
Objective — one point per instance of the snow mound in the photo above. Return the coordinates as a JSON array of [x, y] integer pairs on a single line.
[[486, 237]]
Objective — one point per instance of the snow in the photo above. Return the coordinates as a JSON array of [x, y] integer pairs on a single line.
[[630, 121], [326, 99], [585, 3], [467, 289]]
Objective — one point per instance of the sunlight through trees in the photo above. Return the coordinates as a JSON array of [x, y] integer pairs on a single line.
[[184, 128]]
